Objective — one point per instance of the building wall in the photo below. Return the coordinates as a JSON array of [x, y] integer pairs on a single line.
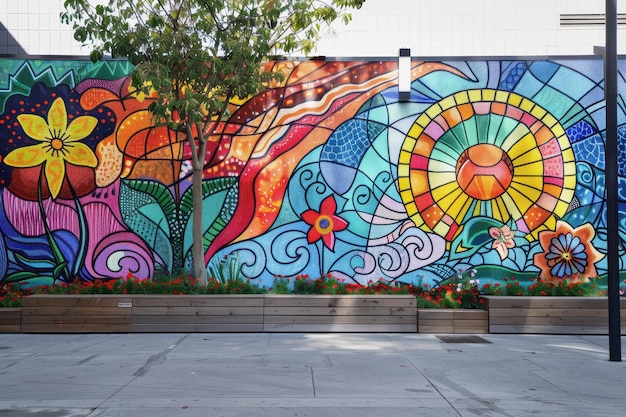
[[468, 28], [367, 152], [430, 28], [493, 165]]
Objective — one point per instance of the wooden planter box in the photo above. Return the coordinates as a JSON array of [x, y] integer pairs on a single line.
[[550, 315], [76, 314], [302, 313], [217, 313], [340, 313], [197, 313], [10, 320], [452, 321]]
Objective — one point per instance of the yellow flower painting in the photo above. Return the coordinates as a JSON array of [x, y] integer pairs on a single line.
[[58, 143]]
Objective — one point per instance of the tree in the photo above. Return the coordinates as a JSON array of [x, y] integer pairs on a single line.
[[199, 56]]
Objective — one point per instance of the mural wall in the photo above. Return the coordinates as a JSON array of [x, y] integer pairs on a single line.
[[493, 165]]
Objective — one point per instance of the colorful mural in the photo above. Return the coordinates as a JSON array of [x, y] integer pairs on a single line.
[[493, 165]]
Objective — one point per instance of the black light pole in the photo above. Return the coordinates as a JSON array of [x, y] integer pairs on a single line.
[[611, 151]]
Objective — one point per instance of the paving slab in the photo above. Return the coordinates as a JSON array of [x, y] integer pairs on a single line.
[[308, 374]]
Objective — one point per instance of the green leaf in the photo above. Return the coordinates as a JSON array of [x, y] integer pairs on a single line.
[[473, 236], [158, 191], [209, 188], [19, 277], [59, 270], [220, 196], [34, 264], [148, 208], [80, 34], [96, 55], [222, 218]]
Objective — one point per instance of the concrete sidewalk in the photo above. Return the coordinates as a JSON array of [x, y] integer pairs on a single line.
[[297, 375]]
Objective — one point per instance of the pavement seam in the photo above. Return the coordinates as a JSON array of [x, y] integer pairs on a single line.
[[555, 386], [430, 382], [158, 358], [538, 365], [152, 360], [313, 382]]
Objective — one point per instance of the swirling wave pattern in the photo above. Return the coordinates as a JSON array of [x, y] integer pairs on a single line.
[[120, 254]]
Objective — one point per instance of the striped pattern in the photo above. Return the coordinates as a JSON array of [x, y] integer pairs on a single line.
[[218, 313], [550, 315]]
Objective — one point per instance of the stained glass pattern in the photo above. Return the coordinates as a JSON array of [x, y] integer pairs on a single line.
[[489, 162], [487, 152]]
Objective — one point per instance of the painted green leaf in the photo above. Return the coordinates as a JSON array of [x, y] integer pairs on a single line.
[[20, 277], [157, 191], [35, 264], [59, 270], [105, 70], [474, 235], [28, 74], [148, 208], [219, 203], [209, 188]]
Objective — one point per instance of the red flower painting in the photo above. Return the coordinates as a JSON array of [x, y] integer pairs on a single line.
[[324, 223]]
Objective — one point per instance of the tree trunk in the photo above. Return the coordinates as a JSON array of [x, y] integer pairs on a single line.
[[199, 268], [198, 158]]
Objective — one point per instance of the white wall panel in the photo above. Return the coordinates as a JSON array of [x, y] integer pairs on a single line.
[[429, 27]]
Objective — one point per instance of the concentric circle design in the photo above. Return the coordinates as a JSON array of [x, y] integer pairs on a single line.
[[484, 171], [486, 153]]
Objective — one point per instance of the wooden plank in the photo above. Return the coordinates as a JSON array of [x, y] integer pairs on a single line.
[[294, 300], [138, 319], [10, 312], [539, 312], [76, 311], [209, 300], [10, 320], [336, 311], [451, 314], [598, 314], [548, 302], [198, 328], [476, 314], [554, 329], [340, 327], [197, 311], [550, 320], [340, 319], [436, 322], [471, 323], [435, 329], [75, 328], [472, 330], [10, 328], [71, 300], [435, 313], [10, 316], [76, 319]]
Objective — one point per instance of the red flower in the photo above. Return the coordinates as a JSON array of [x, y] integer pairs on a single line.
[[324, 223]]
